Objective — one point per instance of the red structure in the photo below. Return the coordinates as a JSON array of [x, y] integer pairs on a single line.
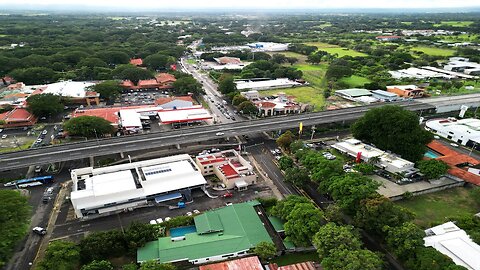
[[17, 117], [161, 81]]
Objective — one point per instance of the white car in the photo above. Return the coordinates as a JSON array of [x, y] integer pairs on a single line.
[[167, 218], [44, 132], [159, 220], [228, 204], [39, 230], [189, 214], [153, 222], [10, 184], [4, 136], [196, 212], [219, 134], [1, 130], [454, 144], [436, 137], [38, 141]]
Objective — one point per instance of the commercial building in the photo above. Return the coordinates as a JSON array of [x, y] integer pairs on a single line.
[[388, 38], [463, 131], [18, 117], [265, 84], [107, 190], [175, 102], [229, 166], [223, 233], [454, 242], [419, 73], [356, 95], [406, 91], [463, 65], [268, 47], [78, 92], [161, 81], [251, 95], [184, 115], [384, 95], [281, 104], [387, 161]]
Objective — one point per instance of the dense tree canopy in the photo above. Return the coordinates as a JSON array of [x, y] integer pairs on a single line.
[[34, 75], [88, 126], [155, 265], [44, 105], [226, 84], [395, 129], [265, 250], [108, 89], [14, 219], [158, 61], [98, 265], [187, 84], [285, 140], [60, 255], [432, 168]]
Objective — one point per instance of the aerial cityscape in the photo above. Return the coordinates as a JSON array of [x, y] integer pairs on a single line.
[[209, 135]]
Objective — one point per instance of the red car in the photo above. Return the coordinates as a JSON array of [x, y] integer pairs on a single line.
[[228, 195]]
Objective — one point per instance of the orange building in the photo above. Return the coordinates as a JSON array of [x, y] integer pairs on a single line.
[[161, 81], [17, 117], [406, 91]]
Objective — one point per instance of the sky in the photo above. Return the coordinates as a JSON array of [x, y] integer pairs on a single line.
[[244, 4]]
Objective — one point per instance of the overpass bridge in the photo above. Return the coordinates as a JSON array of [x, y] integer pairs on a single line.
[[107, 146]]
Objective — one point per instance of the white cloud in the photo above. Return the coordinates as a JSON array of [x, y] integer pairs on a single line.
[[277, 4]]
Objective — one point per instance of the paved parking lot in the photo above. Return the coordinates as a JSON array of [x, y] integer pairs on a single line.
[[138, 98], [67, 226]]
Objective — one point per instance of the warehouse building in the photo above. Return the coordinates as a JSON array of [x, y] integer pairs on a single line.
[[463, 131], [454, 242], [107, 190]]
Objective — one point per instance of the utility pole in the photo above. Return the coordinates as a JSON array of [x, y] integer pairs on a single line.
[[313, 132]]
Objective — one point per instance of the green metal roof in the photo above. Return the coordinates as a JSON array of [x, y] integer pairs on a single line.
[[277, 224], [208, 223], [355, 92], [242, 230]]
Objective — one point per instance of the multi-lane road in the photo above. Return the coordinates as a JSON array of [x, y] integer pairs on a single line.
[[79, 150]]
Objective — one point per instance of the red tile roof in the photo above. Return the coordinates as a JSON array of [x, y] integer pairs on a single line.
[[164, 100], [454, 158], [165, 78], [299, 266], [212, 160], [148, 83], [266, 104], [19, 114], [248, 263], [18, 117], [136, 61]]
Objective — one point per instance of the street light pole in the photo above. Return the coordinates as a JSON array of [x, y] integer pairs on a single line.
[[129, 158]]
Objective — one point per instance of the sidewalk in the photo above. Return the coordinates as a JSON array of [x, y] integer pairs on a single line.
[[265, 177]]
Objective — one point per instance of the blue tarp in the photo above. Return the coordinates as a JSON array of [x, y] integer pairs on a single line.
[[167, 197]]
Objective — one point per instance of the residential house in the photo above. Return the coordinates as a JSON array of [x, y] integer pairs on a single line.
[[406, 91]]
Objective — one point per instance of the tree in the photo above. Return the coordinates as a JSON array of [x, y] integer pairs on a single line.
[[337, 71], [296, 145], [325, 170], [247, 107], [227, 84], [395, 129], [60, 255], [350, 189], [187, 84], [88, 126], [364, 168], [155, 265], [432, 168], [138, 234], [238, 99], [108, 90], [279, 58], [33, 75], [404, 240], [44, 105], [292, 60], [302, 223], [265, 250], [114, 57], [158, 61], [285, 163], [297, 176], [330, 238], [285, 140], [428, 258], [130, 266], [98, 265], [378, 213], [284, 207], [132, 73], [102, 246], [361, 259], [15, 214]]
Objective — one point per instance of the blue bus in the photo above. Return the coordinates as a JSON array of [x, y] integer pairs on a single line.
[[30, 182]]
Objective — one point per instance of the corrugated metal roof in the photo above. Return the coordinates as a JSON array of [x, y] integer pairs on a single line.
[[248, 263], [299, 266]]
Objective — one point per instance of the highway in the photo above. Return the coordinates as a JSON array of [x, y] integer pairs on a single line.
[[92, 148]]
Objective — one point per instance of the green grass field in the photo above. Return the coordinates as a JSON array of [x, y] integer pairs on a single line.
[[334, 49], [407, 23], [434, 51], [3, 35], [355, 81], [454, 23], [461, 38], [304, 94], [433, 208], [191, 61], [27, 144]]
